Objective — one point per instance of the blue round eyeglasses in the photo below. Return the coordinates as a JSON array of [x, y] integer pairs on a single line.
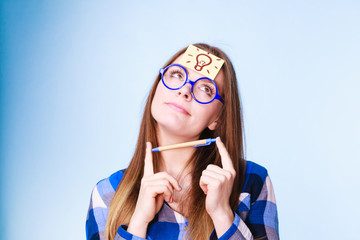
[[203, 90]]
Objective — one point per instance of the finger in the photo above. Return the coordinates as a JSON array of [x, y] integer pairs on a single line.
[[156, 186], [214, 175], [171, 179], [148, 162], [204, 182], [220, 171], [161, 190], [225, 157], [215, 168], [162, 182]]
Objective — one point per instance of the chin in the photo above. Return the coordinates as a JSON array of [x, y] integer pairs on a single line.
[[171, 124]]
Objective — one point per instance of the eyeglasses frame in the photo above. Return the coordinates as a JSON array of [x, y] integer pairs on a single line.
[[192, 83]]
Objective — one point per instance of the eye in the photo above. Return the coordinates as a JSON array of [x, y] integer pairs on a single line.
[[207, 89], [177, 74]]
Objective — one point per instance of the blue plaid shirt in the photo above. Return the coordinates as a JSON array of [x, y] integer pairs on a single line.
[[255, 217]]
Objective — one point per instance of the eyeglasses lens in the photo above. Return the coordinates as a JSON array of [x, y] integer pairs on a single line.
[[204, 90], [174, 77]]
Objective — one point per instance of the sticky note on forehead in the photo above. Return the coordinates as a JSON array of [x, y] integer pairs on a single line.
[[202, 62]]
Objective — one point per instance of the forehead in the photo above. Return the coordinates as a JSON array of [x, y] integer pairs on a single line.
[[193, 75]]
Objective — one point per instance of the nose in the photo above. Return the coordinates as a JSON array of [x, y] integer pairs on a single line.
[[185, 91]]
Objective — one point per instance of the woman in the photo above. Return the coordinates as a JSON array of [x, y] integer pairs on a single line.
[[187, 193]]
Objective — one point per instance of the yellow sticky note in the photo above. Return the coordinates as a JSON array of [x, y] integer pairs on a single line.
[[201, 61]]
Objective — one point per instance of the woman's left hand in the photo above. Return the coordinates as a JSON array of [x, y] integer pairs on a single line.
[[217, 183]]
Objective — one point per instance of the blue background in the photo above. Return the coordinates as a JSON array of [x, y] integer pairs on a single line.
[[75, 76]]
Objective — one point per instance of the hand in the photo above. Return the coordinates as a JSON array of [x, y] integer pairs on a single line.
[[154, 189], [217, 183]]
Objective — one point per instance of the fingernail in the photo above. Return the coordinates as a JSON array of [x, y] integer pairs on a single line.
[[147, 144], [219, 139], [171, 200], [180, 187]]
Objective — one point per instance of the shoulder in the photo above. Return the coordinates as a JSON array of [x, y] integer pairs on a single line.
[[257, 190], [101, 197], [256, 178], [257, 205], [104, 190], [254, 170]]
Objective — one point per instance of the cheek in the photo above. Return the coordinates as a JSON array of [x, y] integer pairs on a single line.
[[158, 100], [211, 112], [161, 91]]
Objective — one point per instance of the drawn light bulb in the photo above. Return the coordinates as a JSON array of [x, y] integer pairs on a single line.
[[202, 60]]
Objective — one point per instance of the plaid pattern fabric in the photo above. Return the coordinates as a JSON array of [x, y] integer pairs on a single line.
[[255, 217]]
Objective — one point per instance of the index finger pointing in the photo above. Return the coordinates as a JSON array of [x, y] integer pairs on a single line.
[[225, 157], [148, 162]]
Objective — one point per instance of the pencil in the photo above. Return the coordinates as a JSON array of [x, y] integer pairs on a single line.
[[197, 143]]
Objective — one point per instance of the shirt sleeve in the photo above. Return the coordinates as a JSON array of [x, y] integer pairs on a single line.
[[96, 217], [123, 234], [260, 221], [100, 200]]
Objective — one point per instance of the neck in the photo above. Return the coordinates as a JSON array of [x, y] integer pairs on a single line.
[[175, 161]]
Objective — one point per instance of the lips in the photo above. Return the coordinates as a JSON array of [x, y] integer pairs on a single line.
[[178, 108]]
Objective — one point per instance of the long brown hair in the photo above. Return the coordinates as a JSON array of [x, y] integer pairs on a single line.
[[229, 128]]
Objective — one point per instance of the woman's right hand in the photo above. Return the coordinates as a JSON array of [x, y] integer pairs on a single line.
[[154, 189]]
